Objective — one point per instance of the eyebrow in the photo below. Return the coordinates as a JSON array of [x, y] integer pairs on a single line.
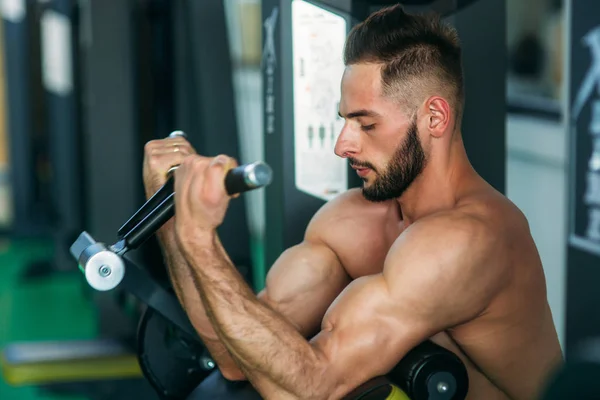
[[360, 113]]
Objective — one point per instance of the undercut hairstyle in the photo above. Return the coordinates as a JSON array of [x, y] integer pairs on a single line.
[[419, 53]]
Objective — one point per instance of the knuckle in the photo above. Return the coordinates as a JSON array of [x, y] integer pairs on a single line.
[[149, 146], [223, 161], [159, 163], [153, 162], [184, 151], [177, 161], [203, 164], [189, 162]]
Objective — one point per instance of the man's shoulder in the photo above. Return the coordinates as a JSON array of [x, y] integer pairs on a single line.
[[451, 242], [481, 218], [447, 255], [461, 224], [347, 221], [349, 206], [493, 208], [351, 198]]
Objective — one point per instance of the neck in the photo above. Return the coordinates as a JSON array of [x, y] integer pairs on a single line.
[[440, 184]]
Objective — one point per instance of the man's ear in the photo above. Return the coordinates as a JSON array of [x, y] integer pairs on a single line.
[[438, 116]]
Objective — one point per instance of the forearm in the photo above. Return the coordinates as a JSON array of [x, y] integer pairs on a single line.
[[189, 296], [275, 357]]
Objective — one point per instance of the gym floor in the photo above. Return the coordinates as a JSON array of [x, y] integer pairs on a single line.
[[49, 308]]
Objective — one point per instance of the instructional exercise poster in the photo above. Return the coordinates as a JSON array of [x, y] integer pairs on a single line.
[[318, 45]]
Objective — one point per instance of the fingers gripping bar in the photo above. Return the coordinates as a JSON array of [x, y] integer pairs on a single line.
[[161, 206], [102, 265], [158, 197], [237, 180]]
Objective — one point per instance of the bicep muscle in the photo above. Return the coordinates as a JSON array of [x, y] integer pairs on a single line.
[[365, 326], [302, 284]]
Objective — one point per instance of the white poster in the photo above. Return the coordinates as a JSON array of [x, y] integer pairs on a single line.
[[318, 45]]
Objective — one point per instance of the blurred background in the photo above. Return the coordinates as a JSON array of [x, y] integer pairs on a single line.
[[85, 84]]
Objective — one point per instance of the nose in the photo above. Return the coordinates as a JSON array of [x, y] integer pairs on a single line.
[[347, 144]]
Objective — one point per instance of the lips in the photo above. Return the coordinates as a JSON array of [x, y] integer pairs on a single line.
[[361, 171]]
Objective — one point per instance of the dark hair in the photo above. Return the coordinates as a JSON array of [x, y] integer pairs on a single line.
[[417, 51]]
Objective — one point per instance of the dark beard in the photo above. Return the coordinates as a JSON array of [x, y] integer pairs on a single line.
[[406, 165]]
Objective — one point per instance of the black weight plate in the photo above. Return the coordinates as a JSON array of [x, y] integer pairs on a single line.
[[173, 362]]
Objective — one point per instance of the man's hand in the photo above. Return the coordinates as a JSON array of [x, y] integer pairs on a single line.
[[201, 200], [159, 157]]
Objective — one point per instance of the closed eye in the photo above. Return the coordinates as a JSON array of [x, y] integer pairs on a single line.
[[367, 128]]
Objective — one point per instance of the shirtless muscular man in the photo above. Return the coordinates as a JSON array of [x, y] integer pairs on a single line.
[[425, 250]]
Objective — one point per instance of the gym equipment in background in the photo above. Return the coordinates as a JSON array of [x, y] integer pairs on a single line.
[[43, 126], [127, 71]]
